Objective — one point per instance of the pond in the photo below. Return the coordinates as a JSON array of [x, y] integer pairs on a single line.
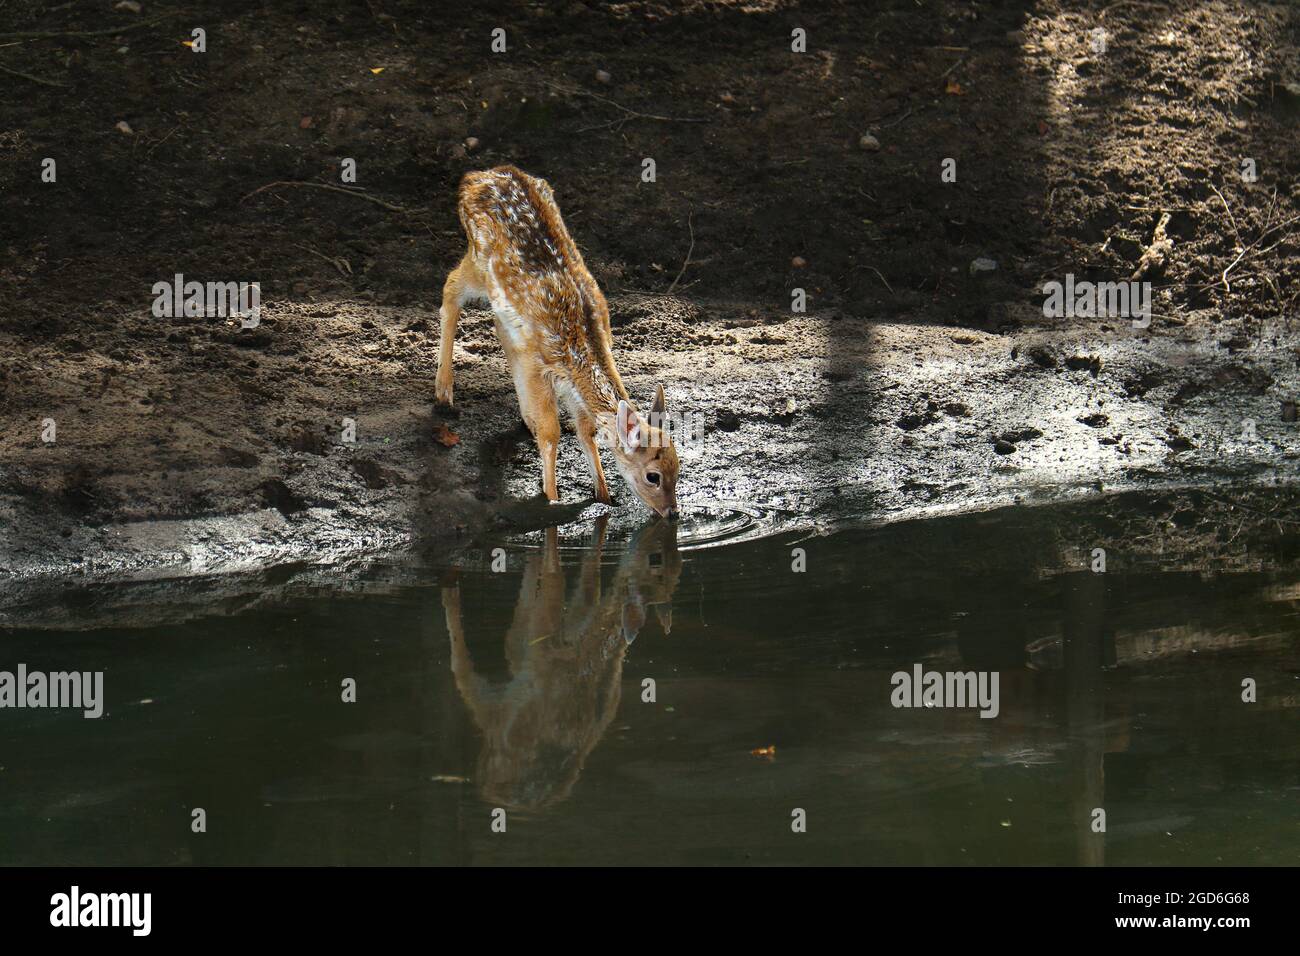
[[703, 692]]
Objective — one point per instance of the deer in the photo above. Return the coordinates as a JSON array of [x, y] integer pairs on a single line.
[[553, 325], [565, 653]]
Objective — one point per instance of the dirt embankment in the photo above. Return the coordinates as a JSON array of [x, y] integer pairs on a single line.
[[914, 382]]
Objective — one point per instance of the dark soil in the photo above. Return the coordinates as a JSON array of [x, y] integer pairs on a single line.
[[912, 382]]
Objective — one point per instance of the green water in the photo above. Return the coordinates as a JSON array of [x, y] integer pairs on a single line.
[[519, 691]]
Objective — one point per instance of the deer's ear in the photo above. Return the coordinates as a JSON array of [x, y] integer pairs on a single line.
[[659, 405], [629, 426]]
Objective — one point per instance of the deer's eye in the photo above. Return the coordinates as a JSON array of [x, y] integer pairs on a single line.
[[652, 477]]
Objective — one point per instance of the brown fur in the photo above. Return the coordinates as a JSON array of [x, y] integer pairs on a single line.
[[553, 323]]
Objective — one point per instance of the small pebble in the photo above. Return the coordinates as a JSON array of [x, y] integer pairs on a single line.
[[982, 265], [869, 142], [798, 262], [471, 143], [603, 77]]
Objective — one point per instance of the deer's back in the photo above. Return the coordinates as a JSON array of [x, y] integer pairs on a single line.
[[518, 241]]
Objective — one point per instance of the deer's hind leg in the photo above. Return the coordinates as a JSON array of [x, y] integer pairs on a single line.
[[464, 282]]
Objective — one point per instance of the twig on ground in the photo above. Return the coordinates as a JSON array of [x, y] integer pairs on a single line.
[[1252, 247], [882, 279], [34, 79], [336, 189], [111, 31], [630, 113], [1232, 265], [897, 121], [344, 267], [1231, 220], [160, 142], [691, 226]]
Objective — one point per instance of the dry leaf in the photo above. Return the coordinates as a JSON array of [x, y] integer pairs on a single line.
[[377, 69], [769, 752], [189, 43], [445, 436], [1042, 128], [305, 123], [953, 88]]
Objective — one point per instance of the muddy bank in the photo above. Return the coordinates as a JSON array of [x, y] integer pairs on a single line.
[[913, 384], [822, 419]]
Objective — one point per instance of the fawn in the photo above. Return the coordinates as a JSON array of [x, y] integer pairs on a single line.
[[565, 652], [553, 324]]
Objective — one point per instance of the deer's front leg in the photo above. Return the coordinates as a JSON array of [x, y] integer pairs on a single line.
[[587, 436]]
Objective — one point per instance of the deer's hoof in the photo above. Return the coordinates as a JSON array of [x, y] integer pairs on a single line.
[[442, 393]]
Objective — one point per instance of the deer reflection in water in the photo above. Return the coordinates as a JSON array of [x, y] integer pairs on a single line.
[[565, 660]]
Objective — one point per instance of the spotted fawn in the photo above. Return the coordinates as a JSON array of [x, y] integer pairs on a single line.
[[553, 324]]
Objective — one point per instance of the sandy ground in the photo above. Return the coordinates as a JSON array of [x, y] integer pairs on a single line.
[[909, 387]]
